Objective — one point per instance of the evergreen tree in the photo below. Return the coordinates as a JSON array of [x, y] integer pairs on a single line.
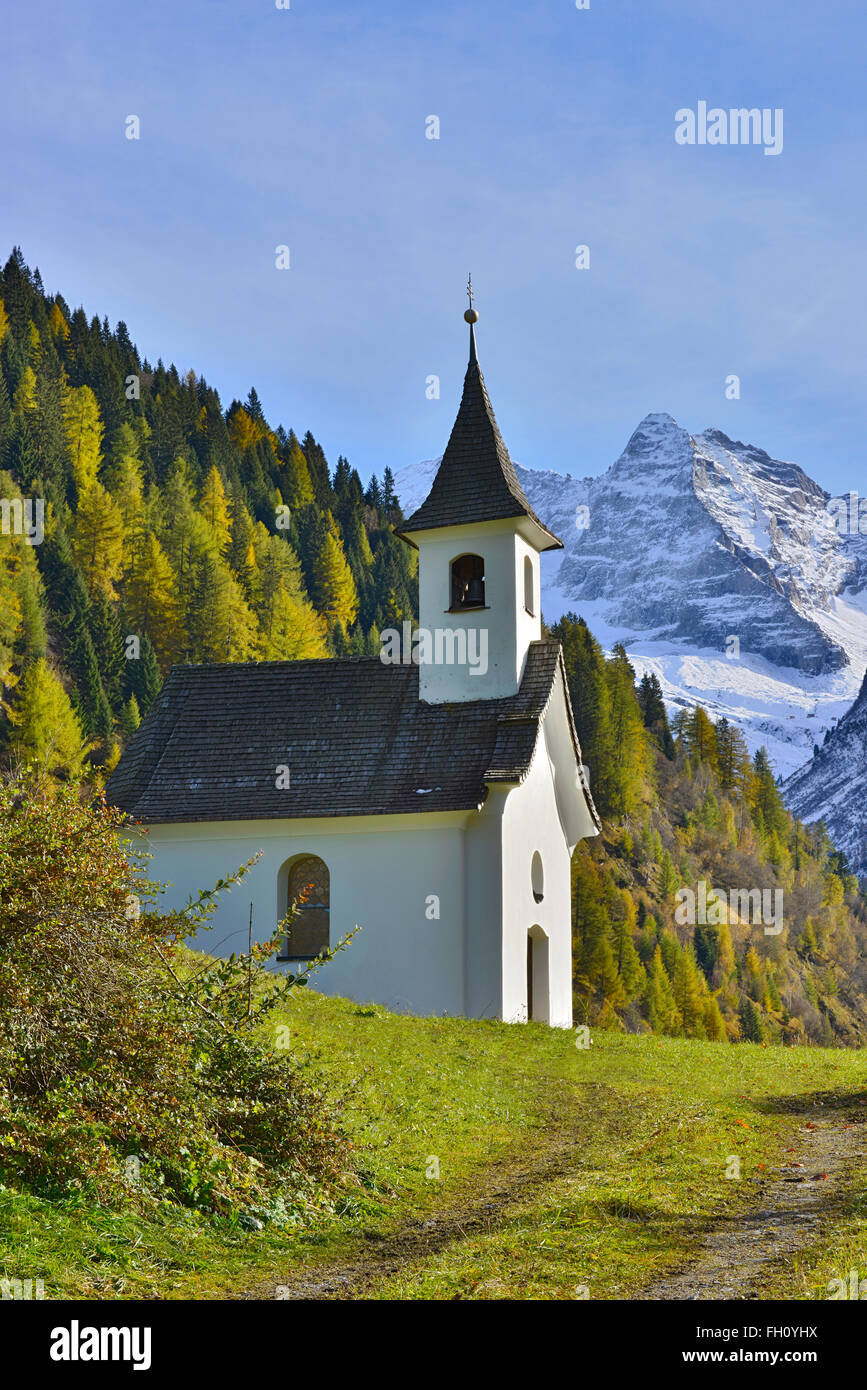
[[107, 638], [143, 679], [750, 1021], [714, 1023], [129, 718], [220, 624], [291, 629], [591, 704], [769, 814]]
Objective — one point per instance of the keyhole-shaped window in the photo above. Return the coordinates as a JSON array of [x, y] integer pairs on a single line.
[[468, 582]]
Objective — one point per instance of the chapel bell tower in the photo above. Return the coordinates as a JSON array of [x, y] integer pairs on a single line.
[[479, 543]]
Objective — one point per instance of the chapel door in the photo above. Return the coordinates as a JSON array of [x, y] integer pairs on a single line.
[[529, 977]]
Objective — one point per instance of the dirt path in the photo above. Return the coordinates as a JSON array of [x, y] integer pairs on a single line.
[[795, 1200], [380, 1256], [792, 1203]]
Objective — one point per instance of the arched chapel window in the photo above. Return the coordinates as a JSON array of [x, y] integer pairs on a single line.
[[468, 582], [307, 882]]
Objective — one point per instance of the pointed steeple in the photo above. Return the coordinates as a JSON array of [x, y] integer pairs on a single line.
[[476, 480]]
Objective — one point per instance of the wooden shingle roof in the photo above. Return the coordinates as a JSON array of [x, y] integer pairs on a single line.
[[476, 480], [353, 733]]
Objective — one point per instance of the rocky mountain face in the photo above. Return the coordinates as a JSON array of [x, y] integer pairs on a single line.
[[832, 786], [722, 569], [698, 539]]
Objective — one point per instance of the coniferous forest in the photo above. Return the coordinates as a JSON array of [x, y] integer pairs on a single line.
[[180, 530], [685, 804], [175, 530]]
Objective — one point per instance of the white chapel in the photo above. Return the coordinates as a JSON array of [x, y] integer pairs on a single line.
[[433, 797]]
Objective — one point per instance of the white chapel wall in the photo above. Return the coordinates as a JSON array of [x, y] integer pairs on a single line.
[[383, 872]]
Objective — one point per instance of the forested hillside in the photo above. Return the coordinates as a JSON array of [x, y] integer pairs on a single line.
[[682, 806], [174, 530], [178, 530]]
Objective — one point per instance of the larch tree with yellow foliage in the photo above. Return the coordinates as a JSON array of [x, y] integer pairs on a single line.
[[214, 507], [25, 391], [150, 600], [291, 630], [47, 731], [98, 539], [334, 593], [83, 425]]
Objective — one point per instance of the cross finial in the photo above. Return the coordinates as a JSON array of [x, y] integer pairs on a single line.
[[471, 315]]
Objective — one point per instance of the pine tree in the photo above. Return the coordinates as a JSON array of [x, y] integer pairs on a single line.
[[124, 477], [241, 554], [630, 762], [714, 1023], [107, 638], [221, 626], [629, 966], [143, 679], [25, 392], [591, 704], [697, 736], [750, 1021], [808, 946], [32, 637], [129, 719], [667, 876], [706, 945], [70, 608], [769, 814], [389, 496]]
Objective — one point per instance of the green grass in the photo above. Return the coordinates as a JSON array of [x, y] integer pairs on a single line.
[[639, 1131]]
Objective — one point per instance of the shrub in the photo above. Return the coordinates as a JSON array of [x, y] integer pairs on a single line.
[[128, 1067]]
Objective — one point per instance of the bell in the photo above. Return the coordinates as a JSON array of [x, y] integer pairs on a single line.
[[475, 592]]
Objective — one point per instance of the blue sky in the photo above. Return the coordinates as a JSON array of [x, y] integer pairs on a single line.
[[306, 127]]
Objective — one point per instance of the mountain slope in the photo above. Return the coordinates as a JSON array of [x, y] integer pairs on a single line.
[[833, 786]]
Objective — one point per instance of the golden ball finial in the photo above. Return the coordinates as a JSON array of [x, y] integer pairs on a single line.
[[471, 315]]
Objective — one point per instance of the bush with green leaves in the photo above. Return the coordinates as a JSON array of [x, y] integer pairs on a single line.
[[130, 1068]]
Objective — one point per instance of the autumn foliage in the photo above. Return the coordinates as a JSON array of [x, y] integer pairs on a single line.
[[131, 1070]]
